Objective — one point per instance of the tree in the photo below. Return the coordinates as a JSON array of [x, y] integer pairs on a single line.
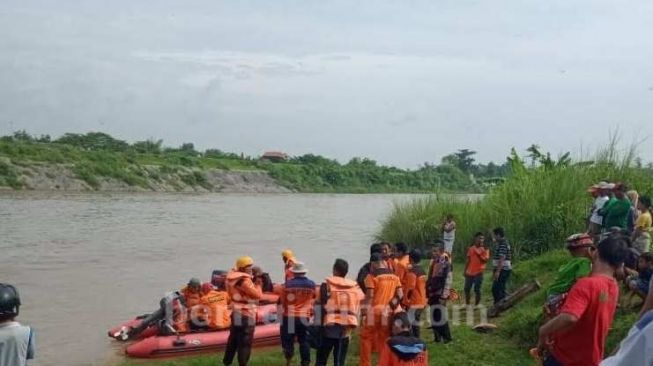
[[148, 146], [188, 147], [462, 159], [93, 141]]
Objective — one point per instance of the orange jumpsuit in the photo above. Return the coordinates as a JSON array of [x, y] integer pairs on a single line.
[[383, 284], [214, 310]]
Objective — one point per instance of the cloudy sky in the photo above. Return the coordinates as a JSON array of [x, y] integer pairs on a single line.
[[402, 82]]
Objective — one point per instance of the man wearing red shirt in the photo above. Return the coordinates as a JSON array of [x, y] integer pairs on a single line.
[[576, 337]]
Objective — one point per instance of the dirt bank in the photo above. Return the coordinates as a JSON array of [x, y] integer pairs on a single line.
[[53, 177]]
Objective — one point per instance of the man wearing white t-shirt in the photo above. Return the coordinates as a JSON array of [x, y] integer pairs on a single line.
[[596, 221], [449, 233]]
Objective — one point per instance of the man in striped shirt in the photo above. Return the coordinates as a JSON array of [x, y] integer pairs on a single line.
[[502, 263]]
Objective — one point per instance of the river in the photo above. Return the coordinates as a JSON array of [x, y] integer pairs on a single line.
[[85, 262]]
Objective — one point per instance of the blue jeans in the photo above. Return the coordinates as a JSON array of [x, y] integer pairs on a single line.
[[499, 285], [476, 282], [295, 328]]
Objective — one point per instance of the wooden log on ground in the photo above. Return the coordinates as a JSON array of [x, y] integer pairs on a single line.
[[514, 298]]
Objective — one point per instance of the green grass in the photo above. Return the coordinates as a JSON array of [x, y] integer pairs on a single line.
[[539, 207], [507, 346], [94, 160]]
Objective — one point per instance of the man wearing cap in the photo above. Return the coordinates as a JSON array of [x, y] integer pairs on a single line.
[[602, 193], [297, 300], [192, 292], [244, 297]]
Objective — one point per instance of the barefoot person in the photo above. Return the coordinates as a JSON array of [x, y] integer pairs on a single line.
[[576, 337]]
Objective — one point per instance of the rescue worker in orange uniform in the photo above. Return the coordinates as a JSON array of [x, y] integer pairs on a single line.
[[288, 261], [192, 292], [244, 300], [367, 267], [402, 262], [414, 286], [402, 254], [383, 296], [388, 255], [403, 349], [191, 297], [213, 311], [297, 300], [340, 301]]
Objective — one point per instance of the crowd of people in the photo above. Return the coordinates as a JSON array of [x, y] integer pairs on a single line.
[[392, 292], [581, 303]]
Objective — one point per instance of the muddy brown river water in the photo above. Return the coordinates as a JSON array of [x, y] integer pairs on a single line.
[[85, 262]]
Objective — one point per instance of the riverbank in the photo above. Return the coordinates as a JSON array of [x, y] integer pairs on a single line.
[[39, 176], [99, 162], [509, 345]]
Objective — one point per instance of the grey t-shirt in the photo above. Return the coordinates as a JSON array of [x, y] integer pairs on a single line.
[[16, 344]]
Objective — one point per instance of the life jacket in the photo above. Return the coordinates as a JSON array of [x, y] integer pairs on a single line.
[[298, 298], [214, 311], [404, 350], [192, 297], [342, 300], [243, 294]]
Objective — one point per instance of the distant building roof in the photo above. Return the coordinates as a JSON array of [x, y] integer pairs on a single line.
[[274, 155]]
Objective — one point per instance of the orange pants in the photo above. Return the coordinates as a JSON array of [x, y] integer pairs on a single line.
[[372, 339]]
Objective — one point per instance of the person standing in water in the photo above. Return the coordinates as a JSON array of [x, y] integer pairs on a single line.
[[449, 233]]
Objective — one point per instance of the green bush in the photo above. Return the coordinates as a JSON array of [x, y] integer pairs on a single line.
[[539, 207]]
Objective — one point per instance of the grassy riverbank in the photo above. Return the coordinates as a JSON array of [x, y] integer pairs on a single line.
[[97, 158], [507, 346], [539, 206]]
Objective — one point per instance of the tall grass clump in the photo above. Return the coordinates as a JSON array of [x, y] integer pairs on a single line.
[[539, 205]]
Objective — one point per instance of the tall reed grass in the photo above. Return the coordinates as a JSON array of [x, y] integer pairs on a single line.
[[538, 206]]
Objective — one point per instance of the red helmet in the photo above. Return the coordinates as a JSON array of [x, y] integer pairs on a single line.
[[207, 287], [582, 240]]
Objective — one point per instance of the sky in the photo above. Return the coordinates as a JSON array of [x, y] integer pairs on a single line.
[[400, 82]]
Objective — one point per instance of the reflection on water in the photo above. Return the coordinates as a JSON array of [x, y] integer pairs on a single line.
[[86, 262]]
